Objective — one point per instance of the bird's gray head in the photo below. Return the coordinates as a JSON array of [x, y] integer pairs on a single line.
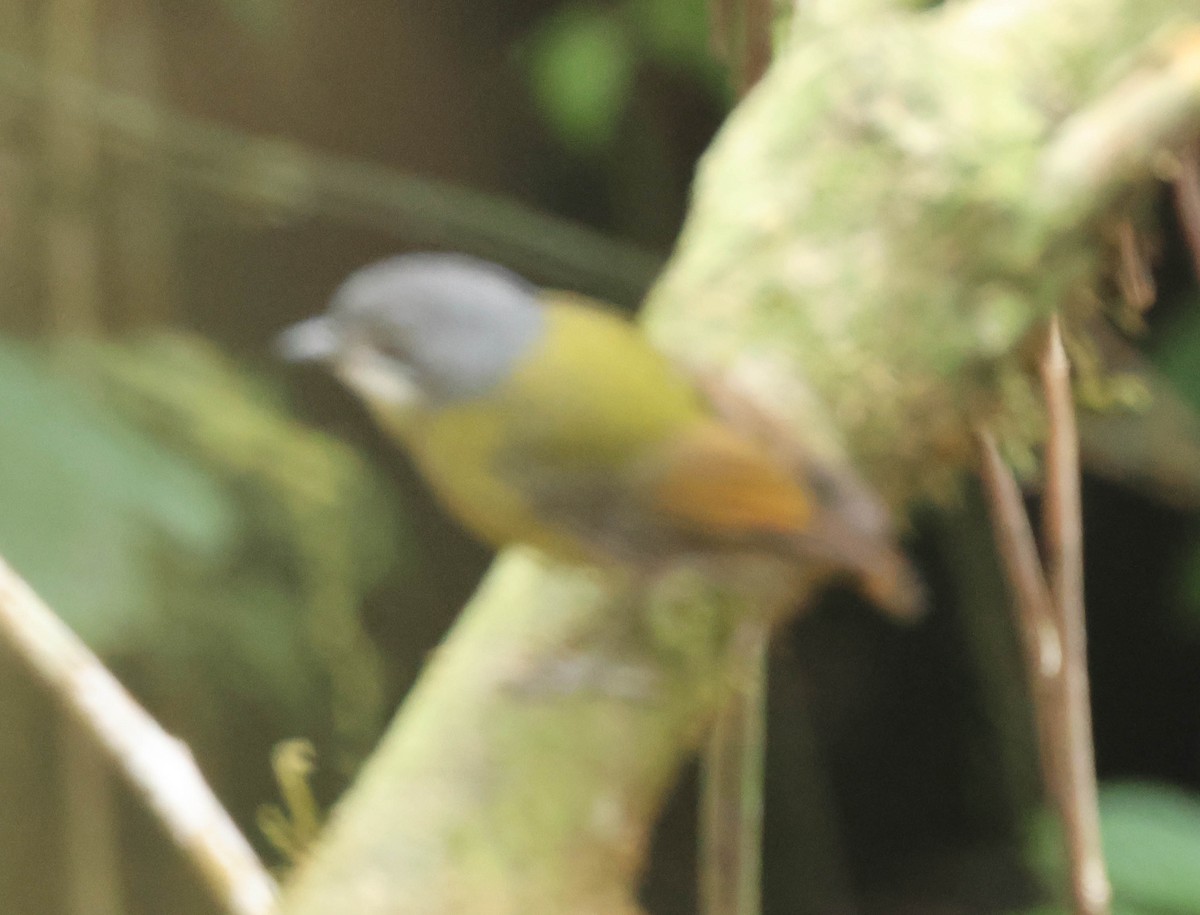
[[438, 327]]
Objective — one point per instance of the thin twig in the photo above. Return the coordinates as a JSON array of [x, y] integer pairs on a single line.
[[721, 16], [1104, 149], [1018, 553], [1134, 276], [159, 767], [289, 181], [146, 219], [72, 154], [731, 812], [756, 43], [1063, 522], [1035, 614], [1051, 619], [1187, 201]]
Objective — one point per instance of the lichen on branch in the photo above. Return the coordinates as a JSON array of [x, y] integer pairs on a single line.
[[874, 235], [894, 209]]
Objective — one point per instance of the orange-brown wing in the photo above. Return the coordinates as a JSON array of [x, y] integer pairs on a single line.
[[713, 481]]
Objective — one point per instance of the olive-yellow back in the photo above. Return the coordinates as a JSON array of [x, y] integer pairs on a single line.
[[596, 446]]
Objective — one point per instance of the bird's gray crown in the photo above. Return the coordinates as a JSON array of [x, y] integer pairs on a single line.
[[456, 324]]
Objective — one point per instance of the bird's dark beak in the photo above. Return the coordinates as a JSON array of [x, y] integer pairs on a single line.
[[314, 340]]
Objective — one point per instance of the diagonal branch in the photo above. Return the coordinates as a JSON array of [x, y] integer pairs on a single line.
[[1018, 553], [291, 182], [159, 767]]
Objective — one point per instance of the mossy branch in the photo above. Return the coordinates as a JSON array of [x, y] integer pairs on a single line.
[[499, 787], [874, 234], [903, 199]]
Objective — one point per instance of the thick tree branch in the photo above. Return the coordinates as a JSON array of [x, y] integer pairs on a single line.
[[495, 792], [874, 235]]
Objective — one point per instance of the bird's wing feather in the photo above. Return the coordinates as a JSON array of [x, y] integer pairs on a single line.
[[714, 480]]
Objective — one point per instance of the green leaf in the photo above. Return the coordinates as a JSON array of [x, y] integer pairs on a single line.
[[1152, 840], [278, 617], [1151, 836], [581, 66], [676, 33], [82, 494], [1178, 353]]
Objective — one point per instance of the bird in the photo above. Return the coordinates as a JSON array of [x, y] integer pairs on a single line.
[[547, 418]]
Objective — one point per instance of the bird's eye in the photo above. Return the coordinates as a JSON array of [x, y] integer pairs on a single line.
[[386, 341], [392, 348]]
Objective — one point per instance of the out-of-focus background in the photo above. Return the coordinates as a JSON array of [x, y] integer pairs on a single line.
[[179, 180]]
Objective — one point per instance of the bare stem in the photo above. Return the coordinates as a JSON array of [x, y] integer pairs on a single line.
[[1018, 553], [756, 43], [1100, 151], [72, 157], [721, 15], [1051, 619], [1035, 620], [1134, 276], [740, 37], [1187, 201], [159, 767], [289, 181], [732, 785], [1063, 522]]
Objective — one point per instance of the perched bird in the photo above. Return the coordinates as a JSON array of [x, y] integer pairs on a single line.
[[546, 418]]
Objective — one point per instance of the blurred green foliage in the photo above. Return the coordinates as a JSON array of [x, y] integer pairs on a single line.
[[583, 59], [1177, 354], [1152, 844], [161, 500], [1152, 840], [86, 495], [582, 64]]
